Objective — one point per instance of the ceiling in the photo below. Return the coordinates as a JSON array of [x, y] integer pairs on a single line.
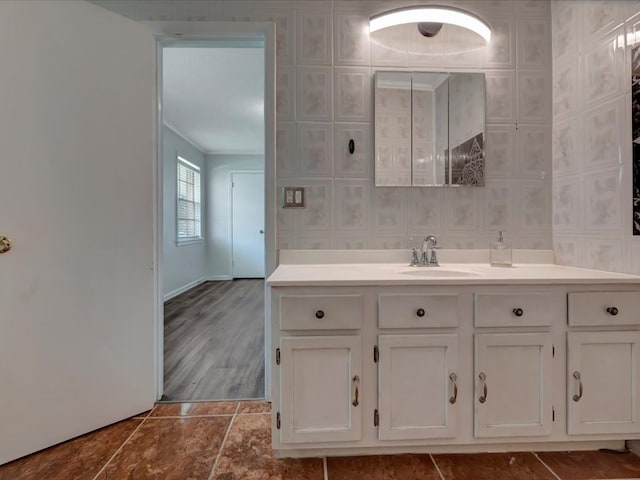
[[214, 97]]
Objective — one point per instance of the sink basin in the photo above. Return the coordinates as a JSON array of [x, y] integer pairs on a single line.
[[438, 272]]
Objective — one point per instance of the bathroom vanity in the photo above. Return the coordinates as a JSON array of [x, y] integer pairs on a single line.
[[384, 358]]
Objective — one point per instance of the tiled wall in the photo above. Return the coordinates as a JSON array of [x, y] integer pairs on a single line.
[[326, 61], [592, 134]]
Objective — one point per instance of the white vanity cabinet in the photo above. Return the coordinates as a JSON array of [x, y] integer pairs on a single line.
[[603, 367], [417, 385], [513, 384], [369, 368], [320, 382]]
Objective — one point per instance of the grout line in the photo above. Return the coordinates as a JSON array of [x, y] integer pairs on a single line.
[[437, 467], [224, 440], [135, 430], [324, 468], [547, 466]]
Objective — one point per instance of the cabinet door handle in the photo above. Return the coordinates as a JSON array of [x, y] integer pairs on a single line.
[[319, 314], [483, 379], [518, 312], [356, 382], [420, 312], [576, 375], [453, 377], [612, 311]]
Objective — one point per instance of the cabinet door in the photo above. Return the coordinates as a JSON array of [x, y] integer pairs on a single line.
[[602, 377], [513, 384], [417, 386], [319, 379]]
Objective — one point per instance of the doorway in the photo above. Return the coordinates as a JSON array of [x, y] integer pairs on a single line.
[[213, 128]]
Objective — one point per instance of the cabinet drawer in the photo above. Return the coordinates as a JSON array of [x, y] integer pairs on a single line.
[[515, 309], [604, 308], [320, 312], [418, 310]]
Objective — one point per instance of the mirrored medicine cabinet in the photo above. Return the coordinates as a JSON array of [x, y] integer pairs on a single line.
[[429, 129]]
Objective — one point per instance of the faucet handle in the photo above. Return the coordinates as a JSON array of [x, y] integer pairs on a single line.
[[415, 261]]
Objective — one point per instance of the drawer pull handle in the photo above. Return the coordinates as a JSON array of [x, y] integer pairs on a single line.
[[319, 314], [356, 381], [453, 377], [518, 312], [612, 311], [483, 379], [576, 375], [420, 312]]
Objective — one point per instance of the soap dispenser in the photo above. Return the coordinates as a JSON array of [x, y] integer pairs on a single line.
[[500, 252]]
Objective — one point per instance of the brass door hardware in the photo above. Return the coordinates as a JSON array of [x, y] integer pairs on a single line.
[[5, 244], [483, 379], [578, 396], [453, 377]]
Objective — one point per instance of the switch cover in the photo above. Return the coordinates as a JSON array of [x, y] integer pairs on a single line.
[[293, 197]]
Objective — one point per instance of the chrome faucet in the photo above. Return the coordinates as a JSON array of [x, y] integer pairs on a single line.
[[427, 260]]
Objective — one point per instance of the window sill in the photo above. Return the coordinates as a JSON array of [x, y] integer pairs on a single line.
[[193, 241]]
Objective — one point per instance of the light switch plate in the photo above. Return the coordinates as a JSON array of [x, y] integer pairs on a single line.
[[293, 197]]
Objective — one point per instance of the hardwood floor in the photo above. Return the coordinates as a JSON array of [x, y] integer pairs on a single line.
[[214, 342]]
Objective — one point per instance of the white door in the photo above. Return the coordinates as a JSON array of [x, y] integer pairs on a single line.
[[602, 379], [320, 389], [76, 199], [417, 378], [248, 224], [513, 384]]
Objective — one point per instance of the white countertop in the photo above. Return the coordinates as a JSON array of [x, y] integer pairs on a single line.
[[345, 274]]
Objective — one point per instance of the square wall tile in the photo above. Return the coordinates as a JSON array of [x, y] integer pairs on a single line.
[[599, 17], [352, 208], [603, 70], [315, 149], [533, 201], [285, 149], [357, 164], [534, 97], [501, 159], [284, 18], [315, 242], [603, 136], [317, 214], [390, 242], [603, 254], [566, 88], [390, 46], [353, 97], [285, 93], [567, 204], [360, 242], [315, 37], [534, 151], [567, 250], [501, 96], [315, 94], [464, 208], [425, 209], [534, 42], [566, 148], [603, 200], [565, 18], [390, 210], [497, 206], [351, 38], [501, 52]]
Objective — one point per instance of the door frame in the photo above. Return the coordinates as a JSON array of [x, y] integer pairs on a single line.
[[171, 33], [231, 174]]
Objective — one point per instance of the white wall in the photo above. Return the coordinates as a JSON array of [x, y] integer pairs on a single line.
[[219, 168], [183, 266], [592, 156]]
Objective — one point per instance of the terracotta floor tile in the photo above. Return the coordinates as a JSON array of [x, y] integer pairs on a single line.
[[194, 409], [80, 458], [492, 466], [170, 449], [247, 455], [592, 465], [382, 467], [256, 406]]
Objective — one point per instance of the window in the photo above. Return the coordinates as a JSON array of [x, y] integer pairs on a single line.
[[189, 226]]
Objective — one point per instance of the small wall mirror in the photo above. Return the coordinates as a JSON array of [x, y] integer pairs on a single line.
[[429, 129]]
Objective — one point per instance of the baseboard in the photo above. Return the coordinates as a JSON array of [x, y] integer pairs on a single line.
[[217, 278], [633, 446], [184, 288]]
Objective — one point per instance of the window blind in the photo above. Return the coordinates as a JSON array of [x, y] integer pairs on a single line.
[[188, 207]]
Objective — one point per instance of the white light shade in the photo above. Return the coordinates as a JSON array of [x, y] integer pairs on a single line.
[[431, 14]]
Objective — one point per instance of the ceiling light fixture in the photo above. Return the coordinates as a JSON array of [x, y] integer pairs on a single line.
[[430, 19]]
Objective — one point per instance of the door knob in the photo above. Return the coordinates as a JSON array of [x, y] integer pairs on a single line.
[[5, 244]]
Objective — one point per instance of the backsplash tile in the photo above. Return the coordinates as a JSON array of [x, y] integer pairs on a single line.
[[315, 94]]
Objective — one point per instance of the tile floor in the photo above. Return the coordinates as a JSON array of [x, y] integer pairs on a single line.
[[231, 441]]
